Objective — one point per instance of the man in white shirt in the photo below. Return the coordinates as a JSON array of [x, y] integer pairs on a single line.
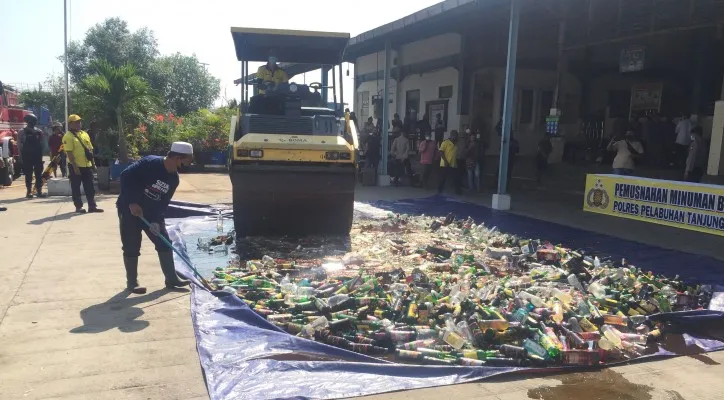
[[400, 150], [683, 138]]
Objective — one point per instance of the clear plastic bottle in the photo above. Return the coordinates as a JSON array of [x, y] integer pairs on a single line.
[[533, 299], [268, 261], [449, 321], [573, 280], [612, 334], [597, 290], [203, 244], [287, 287], [464, 330], [633, 338], [319, 323], [220, 223], [631, 349]]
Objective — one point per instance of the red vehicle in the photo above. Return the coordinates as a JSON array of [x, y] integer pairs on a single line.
[[11, 121]]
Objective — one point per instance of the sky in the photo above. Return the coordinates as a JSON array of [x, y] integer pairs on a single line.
[[33, 35]]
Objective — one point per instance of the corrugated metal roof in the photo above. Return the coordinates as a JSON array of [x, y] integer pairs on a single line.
[[306, 47], [429, 15]]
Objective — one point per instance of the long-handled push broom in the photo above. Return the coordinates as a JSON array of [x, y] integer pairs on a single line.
[[204, 282]]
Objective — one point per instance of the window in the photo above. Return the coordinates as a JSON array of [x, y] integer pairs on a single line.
[[445, 92], [526, 107], [412, 101]]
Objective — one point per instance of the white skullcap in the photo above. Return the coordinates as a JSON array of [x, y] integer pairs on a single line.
[[182, 148]]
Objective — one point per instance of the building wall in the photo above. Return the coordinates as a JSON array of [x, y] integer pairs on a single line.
[[372, 62], [428, 83], [431, 48], [367, 64], [372, 89], [536, 82]]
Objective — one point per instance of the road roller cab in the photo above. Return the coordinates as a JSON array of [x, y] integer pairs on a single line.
[[292, 162]]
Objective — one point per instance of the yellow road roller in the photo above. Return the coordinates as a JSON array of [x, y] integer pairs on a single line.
[[293, 159]]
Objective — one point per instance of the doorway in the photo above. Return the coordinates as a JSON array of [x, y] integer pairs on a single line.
[[435, 107], [412, 101]]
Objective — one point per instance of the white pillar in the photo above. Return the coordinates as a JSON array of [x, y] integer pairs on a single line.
[[384, 178]]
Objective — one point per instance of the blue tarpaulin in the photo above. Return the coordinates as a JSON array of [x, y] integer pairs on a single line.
[[244, 356]]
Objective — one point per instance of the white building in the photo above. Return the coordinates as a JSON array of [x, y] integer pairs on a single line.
[[430, 91], [451, 58]]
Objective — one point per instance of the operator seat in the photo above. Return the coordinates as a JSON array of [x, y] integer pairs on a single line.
[[265, 104], [313, 99]]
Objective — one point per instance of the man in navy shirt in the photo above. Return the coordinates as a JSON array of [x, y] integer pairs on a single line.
[[146, 190]]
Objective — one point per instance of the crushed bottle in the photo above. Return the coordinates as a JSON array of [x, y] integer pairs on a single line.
[[446, 291]]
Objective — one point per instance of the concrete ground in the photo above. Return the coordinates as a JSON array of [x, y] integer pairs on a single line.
[[68, 331]]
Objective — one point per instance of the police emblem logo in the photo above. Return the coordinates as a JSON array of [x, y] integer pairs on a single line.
[[597, 196]]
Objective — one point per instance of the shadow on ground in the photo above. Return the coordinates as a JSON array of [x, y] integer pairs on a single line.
[[119, 311], [35, 200], [58, 217]]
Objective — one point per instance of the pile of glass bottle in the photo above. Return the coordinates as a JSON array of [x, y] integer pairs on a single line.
[[470, 296]]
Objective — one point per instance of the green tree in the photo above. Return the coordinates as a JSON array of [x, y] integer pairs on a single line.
[[117, 92], [111, 40], [184, 83], [50, 94]]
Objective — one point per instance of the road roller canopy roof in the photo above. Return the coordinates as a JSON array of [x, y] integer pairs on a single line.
[[304, 47]]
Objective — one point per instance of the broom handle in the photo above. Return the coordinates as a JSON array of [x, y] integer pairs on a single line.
[[178, 253]]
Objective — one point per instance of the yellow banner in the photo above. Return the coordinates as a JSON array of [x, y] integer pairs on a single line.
[[693, 206]]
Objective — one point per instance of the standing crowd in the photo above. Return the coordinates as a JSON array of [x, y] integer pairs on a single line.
[[73, 148], [657, 141], [458, 159]]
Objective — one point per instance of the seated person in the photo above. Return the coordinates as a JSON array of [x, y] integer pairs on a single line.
[[271, 72]]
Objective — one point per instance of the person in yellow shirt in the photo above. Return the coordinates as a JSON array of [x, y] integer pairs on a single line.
[[271, 72], [448, 163], [346, 120], [79, 149]]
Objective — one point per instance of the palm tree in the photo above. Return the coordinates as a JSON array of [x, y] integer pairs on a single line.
[[118, 92]]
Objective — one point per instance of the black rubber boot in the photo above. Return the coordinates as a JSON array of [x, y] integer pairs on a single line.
[[39, 193], [169, 271], [131, 264], [29, 194]]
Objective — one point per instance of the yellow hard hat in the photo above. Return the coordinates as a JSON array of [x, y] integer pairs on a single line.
[[74, 117]]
